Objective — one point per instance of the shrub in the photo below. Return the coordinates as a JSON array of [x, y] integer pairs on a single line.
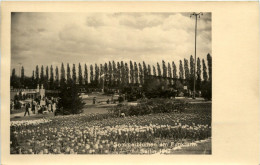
[[149, 106]]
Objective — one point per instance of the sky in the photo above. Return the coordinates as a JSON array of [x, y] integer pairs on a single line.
[[53, 38]]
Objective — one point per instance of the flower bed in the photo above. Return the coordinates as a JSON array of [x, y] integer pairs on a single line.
[[104, 134]]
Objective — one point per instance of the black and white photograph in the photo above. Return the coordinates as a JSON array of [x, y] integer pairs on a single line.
[[111, 83]]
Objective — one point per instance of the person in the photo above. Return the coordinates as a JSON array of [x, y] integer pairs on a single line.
[[27, 109], [33, 107], [94, 100], [49, 107], [54, 108], [108, 101]]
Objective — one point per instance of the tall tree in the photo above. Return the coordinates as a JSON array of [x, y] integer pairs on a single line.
[[209, 59], [42, 75], [101, 75], [126, 74], [22, 78], [141, 77], [47, 73], [159, 70], [186, 69], [46, 83], [68, 73], [174, 70], [110, 71], [86, 75], [62, 75], [91, 75], [14, 81], [181, 71], [114, 75], [192, 67], [205, 75], [122, 73], [170, 73], [149, 70], [198, 83], [80, 75], [136, 73], [96, 75], [74, 75], [131, 73], [198, 69], [118, 74], [56, 78], [37, 77], [164, 69], [145, 72], [51, 78], [154, 70], [105, 74], [33, 80]]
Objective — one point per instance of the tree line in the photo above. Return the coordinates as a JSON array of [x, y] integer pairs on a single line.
[[115, 74]]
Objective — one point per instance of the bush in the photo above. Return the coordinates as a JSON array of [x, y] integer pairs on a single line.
[[149, 106], [70, 102], [206, 90]]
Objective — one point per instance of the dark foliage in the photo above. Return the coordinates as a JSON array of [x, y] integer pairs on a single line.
[[70, 102]]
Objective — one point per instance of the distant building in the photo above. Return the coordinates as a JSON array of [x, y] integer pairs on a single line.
[[30, 93]]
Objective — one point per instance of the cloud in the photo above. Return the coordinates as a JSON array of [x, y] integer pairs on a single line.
[[52, 38]]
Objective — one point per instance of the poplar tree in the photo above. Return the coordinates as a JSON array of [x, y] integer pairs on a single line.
[[209, 59], [37, 79], [174, 70], [14, 81], [46, 83], [181, 71], [164, 69], [22, 78], [131, 73], [74, 76], [198, 83], [86, 75], [122, 73], [42, 75], [91, 75], [136, 73], [80, 75], [186, 69], [110, 71], [101, 75], [96, 75], [51, 78], [33, 80], [159, 70], [141, 74], [154, 71], [126, 74], [149, 70], [118, 74], [62, 76], [114, 73], [56, 78], [205, 75], [68, 73], [192, 67], [170, 73]]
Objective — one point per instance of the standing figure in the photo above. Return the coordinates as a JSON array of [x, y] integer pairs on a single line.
[[27, 106], [94, 100]]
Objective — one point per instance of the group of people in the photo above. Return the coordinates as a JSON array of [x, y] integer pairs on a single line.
[[40, 106]]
